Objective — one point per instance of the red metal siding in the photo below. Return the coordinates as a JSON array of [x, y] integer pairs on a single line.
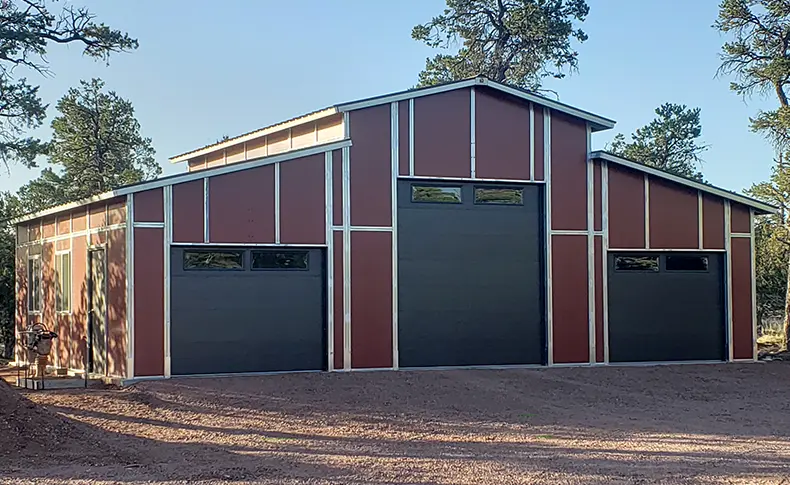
[[303, 200], [241, 206], [148, 206], [79, 302], [149, 302], [599, 269], [371, 299], [98, 215], [539, 142], [712, 222], [501, 136], [337, 187], [63, 224], [569, 309], [116, 210], [371, 172], [61, 347], [442, 134], [78, 220], [626, 208], [188, 212], [597, 196], [116, 302], [48, 226], [740, 217], [674, 216], [568, 173], [337, 326], [403, 138], [742, 333]]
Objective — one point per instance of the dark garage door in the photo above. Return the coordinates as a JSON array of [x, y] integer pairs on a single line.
[[246, 310], [470, 267], [666, 307]]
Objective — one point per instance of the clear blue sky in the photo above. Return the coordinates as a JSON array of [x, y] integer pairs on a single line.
[[206, 69]]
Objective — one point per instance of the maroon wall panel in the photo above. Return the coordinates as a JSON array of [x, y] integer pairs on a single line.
[[569, 286], [403, 138], [626, 208], [241, 206], [371, 167], [599, 269], [568, 173], [742, 333], [597, 197], [740, 218], [149, 293], [148, 206], [371, 299], [501, 136], [303, 200], [674, 216], [116, 302], [188, 212], [337, 326], [442, 134], [337, 187], [712, 222], [539, 162]]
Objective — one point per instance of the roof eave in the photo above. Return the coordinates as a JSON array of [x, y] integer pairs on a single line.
[[760, 207]]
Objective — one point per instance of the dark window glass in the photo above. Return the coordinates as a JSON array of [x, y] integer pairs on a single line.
[[632, 263], [279, 259], [427, 193], [213, 259], [687, 263], [34, 284], [499, 196]]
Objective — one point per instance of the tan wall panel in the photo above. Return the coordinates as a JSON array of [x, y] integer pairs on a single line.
[[48, 227], [63, 225], [116, 302], [62, 244], [279, 142], [117, 211], [235, 153], [79, 303], [196, 164], [22, 235], [303, 136], [34, 230], [330, 129], [78, 219], [98, 215], [215, 159], [256, 148]]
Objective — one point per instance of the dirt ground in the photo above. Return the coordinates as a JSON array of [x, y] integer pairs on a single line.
[[635, 425]]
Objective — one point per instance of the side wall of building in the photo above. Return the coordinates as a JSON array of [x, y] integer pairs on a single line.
[[98, 226]]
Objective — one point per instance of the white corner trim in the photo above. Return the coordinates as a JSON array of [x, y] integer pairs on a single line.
[[130, 286], [206, 210], [728, 250], [647, 211], [548, 255], [411, 137], [753, 272], [701, 225], [330, 263], [277, 203], [168, 239], [394, 148]]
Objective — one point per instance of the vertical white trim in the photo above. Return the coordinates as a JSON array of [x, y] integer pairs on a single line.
[[245, 150], [277, 203], [728, 249], [753, 274], [604, 255], [346, 261], [647, 211], [330, 264], [472, 134], [394, 155], [700, 236], [590, 249], [411, 137], [531, 141], [549, 292], [168, 238], [315, 132], [130, 286], [206, 210], [290, 139]]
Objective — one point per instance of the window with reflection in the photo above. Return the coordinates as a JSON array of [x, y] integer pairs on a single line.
[[636, 263], [687, 263], [506, 196], [280, 260], [435, 193], [213, 259]]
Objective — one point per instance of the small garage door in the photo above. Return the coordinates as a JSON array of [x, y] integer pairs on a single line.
[[246, 310], [470, 269], [666, 307]]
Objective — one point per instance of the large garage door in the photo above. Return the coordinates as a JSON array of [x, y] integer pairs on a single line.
[[667, 307], [470, 269], [246, 310]]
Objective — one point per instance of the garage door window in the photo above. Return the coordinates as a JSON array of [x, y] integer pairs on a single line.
[[687, 263], [298, 260], [499, 196], [213, 260], [433, 193], [631, 263]]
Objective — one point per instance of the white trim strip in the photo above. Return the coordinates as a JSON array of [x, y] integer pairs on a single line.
[[330, 263], [700, 234], [740, 234], [168, 239], [206, 210], [683, 181], [346, 260], [394, 145], [469, 179], [575, 232], [604, 255], [411, 137], [472, 134], [364, 228], [531, 141], [654, 250], [549, 292], [246, 245], [727, 248], [590, 251], [71, 236], [647, 211], [130, 286], [753, 272], [277, 203], [149, 225]]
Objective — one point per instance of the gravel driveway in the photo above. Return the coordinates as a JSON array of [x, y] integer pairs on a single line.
[[678, 424]]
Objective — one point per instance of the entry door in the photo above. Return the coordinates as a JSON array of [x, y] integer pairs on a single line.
[[97, 315]]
